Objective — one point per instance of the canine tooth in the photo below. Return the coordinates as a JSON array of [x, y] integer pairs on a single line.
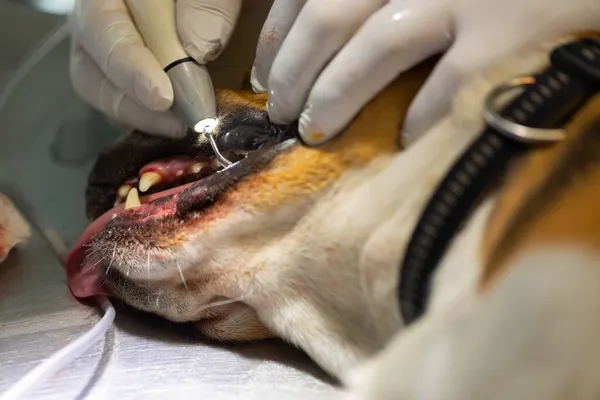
[[196, 168], [148, 179], [133, 199], [215, 164], [123, 191]]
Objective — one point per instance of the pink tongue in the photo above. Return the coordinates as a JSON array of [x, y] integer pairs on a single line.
[[86, 280], [85, 277]]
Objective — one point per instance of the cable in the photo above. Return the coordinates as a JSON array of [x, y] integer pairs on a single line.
[[47, 44], [33, 58], [62, 357], [74, 349]]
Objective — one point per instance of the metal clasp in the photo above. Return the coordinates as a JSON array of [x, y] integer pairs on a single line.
[[510, 129]]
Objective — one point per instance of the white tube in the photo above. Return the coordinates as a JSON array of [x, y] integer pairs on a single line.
[[46, 46], [61, 358]]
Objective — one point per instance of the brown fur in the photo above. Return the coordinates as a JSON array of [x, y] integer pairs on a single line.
[[304, 171], [532, 211]]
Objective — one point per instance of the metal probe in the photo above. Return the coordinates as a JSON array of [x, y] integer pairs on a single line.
[[194, 94]]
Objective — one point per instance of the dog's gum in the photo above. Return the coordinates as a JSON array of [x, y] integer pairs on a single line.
[[168, 169]]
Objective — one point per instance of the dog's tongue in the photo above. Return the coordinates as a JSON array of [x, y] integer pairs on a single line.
[[85, 280], [85, 276]]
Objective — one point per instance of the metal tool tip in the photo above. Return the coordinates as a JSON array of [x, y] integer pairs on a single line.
[[206, 125]]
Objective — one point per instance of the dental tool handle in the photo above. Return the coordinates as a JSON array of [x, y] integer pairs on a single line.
[[192, 85]]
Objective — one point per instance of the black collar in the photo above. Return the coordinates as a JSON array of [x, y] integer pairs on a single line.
[[547, 102]]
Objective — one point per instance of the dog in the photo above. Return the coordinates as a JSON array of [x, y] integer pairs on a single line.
[[305, 244], [14, 229]]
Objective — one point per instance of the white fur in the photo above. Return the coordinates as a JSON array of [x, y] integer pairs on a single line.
[[534, 337]]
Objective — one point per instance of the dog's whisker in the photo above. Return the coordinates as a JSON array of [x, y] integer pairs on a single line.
[[221, 303], [181, 274], [112, 259], [91, 267], [148, 263]]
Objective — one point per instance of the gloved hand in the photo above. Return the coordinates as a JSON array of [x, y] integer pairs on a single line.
[[114, 72], [338, 54]]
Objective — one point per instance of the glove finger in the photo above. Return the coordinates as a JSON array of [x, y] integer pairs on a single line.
[[107, 33], [320, 30], [396, 38], [92, 86], [205, 26], [281, 17], [435, 97]]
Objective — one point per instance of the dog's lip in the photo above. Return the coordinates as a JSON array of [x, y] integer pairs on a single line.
[[85, 278]]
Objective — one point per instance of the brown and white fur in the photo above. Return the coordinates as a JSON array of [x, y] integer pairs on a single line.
[[311, 247], [515, 306]]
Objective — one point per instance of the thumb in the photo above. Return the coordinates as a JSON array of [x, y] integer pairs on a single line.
[[435, 97], [397, 37], [205, 26]]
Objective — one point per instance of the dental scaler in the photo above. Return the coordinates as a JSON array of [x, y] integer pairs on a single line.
[[194, 94]]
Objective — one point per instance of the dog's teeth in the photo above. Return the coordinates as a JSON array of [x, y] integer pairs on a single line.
[[215, 164], [133, 199], [148, 179], [123, 191], [196, 168]]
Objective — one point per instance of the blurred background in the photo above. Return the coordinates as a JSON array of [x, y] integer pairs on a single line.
[[48, 138]]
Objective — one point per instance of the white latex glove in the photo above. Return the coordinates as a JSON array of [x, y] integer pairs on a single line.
[[338, 54], [113, 71]]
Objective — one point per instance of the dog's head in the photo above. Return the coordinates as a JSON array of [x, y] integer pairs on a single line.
[[199, 233]]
